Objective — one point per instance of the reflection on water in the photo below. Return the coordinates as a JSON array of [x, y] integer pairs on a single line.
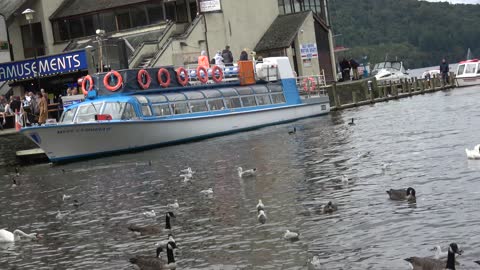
[[423, 138]]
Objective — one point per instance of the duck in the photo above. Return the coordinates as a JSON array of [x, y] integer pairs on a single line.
[[351, 123], [187, 176], [422, 263], [293, 131], [330, 207], [260, 205], [17, 235], [149, 263], [262, 217], [439, 254], [174, 205], [66, 197], [152, 229], [14, 182], [149, 214], [207, 191], [402, 194], [246, 173], [292, 236], [473, 154]]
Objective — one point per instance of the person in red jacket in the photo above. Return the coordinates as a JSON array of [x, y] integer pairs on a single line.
[[203, 60]]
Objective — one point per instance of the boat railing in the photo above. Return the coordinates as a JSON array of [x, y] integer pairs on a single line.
[[230, 74], [312, 86]]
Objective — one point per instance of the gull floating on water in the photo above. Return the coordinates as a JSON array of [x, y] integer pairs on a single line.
[[246, 173], [66, 197], [292, 236], [345, 179], [439, 254], [17, 235], [262, 217], [150, 213], [207, 191], [260, 205], [61, 215], [174, 205], [187, 171], [473, 154]]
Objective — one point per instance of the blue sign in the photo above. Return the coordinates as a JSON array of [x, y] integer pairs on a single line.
[[48, 65]]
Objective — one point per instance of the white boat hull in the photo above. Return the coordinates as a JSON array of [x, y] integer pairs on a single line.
[[467, 81], [67, 142]]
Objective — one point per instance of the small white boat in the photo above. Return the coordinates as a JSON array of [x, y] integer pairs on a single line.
[[468, 73], [389, 71]]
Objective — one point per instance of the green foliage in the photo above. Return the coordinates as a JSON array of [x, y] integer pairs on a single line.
[[419, 33]]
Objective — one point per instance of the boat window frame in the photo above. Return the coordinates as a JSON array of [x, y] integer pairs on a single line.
[[248, 96], [191, 92], [267, 95], [256, 89], [278, 94], [470, 65], [173, 104], [233, 97], [204, 92], [164, 104], [275, 86], [230, 88], [132, 110], [204, 101], [98, 111], [67, 111], [216, 99], [241, 90], [176, 93], [155, 101], [461, 68]]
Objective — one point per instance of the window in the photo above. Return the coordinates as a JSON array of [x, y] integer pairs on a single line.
[[228, 92], [181, 10], [68, 116], [212, 93], [180, 108], [157, 98], [60, 30], [259, 89], [175, 97], [194, 95], [233, 102], [114, 109], [155, 13], [129, 112], [198, 106], [263, 100], [76, 28], [123, 20], [216, 104], [161, 109], [90, 22], [86, 113], [38, 44], [249, 101], [146, 110], [281, 6], [107, 21], [461, 69], [275, 88], [245, 91], [278, 98], [470, 68], [138, 15]]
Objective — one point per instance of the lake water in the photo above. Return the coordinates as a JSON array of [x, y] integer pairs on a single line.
[[423, 138]]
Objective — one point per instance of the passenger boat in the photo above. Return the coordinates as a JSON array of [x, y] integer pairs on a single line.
[[468, 73], [132, 110]]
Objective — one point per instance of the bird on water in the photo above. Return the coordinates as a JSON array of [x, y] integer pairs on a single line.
[[402, 194], [427, 263]]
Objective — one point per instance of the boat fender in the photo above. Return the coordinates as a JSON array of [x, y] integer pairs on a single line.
[[87, 84], [182, 81], [164, 72], [216, 69], [142, 73], [309, 87], [204, 78], [109, 75]]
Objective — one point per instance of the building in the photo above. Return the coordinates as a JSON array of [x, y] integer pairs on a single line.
[[143, 33]]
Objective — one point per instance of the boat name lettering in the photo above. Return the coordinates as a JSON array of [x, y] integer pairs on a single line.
[[96, 129]]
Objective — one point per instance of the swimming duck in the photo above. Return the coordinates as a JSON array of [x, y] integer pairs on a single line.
[[17, 235], [351, 123], [439, 254], [475, 153], [402, 194], [293, 131], [149, 214], [149, 263], [152, 229], [419, 263], [207, 191], [262, 217], [292, 236], [246, 173], [260, 205], [174, 205], [329, 208]]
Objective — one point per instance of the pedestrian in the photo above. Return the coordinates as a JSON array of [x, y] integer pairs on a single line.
[[42, 119], [444, 69], [345, 68], [3, 113], [69, 91], [244, 55], [203, 60], [74, 91], [35, 110], [219, 59], [354, 65], [227, 56], [15, 104]]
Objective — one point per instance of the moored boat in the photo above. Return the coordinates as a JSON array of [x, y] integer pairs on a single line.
[[468, 73], [133, 110]]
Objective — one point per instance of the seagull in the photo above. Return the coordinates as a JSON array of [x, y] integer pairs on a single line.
[[262, 217], [61, 215], [439, 254], [187, 171], [186, 176], [292, 236], [149, 214], [174, 205], [386, 166], [207, 191], [246, 173], [66, 197], [473, 154], [260, 205]]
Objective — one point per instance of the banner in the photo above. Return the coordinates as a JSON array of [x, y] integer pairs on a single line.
[[47, 65], [309, 50], [210, 6]]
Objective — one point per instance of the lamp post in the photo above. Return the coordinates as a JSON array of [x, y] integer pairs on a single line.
[[29, 17], [100, 33]]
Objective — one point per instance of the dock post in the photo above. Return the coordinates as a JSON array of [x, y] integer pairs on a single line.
[[391, 90], [335, 96], [404, 86], [433, 84], [354, 97]]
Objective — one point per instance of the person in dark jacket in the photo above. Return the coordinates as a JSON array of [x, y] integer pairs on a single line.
[[354, 65], [345, 66], [243, 56], [444, 69], [227, 56]]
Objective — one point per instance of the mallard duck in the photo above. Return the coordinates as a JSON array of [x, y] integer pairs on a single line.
[[260, 205], [473, 154], [330, 207], [17, 235], [246, 173], [292, 236], [262, 217], [419, 263], [402, 194], [152, 229], [154, 263]]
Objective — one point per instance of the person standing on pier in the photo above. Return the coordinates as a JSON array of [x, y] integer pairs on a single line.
[[43, 104], [227, 56], [444, 69]]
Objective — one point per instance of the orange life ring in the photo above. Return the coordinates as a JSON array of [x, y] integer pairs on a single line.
[[107, 84], [203, 79], [214, 73], [312, 86], [159, 77], [181, 81], [140, 74], [85, 89]]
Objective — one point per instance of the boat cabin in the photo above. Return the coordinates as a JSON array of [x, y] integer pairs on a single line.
[[468, 68]]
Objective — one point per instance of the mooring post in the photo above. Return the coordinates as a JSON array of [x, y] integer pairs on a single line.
[[335, 96], [354, 97]]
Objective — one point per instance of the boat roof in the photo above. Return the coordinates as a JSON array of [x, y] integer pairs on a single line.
[[469, 61]]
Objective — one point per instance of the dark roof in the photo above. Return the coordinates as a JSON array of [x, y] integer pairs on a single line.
[[8, 7], [70, 8], [281, 32]]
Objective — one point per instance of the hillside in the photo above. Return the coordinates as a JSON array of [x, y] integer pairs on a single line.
[[419, 33]]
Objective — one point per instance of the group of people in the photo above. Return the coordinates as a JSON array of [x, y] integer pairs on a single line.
[[222, 58], [346, 66], [35, 107]]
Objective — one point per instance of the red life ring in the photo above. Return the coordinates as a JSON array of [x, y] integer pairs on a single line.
[[214, 73], [116, 86], [203, 79], [159, 77], [181, 81], [140, 74], [86, 79], [312, 86]]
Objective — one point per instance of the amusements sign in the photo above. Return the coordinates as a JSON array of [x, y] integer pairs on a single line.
[[53, 64], [210, 5], [309, 50]]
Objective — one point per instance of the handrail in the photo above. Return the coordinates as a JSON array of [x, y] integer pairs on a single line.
[[169, 26]]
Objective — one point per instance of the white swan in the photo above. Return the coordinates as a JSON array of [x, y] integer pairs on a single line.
[[246, 173], [473, 154], [262, 217], [439, 254], [150, 214], [17, 235], [174, 205], [292, 236], [260, 205]]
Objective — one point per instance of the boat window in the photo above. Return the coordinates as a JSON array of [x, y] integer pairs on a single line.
[[141, 99], [175, 97], [198, 106], [87, 112], [129, 112], [478, 70], [228, 92], [386, 75], [212, 93], [249, 101], [146, 110], [67, 116], [278, 98], [194, 95], [275, 88], [216, 104], [157, 98], [161, 109], [245, 91], [461, 69], [260, 89], [263, 100], [470, 68], [114, 109], [180, 108], [233, 102]]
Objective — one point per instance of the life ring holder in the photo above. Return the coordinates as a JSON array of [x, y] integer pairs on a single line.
[[142, 72], [214, 73], [204, 78], [167, 75], [312, 86], [116, 86], [86, 89], [181, 81]]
